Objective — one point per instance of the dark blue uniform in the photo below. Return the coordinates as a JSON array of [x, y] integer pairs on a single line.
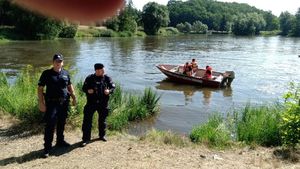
[[57, 104], [97, 101]]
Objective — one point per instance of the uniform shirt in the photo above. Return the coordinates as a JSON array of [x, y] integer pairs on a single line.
[[98, 84], [56, 83]]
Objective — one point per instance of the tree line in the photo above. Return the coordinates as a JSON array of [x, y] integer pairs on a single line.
[[30, 25], [192, 16]]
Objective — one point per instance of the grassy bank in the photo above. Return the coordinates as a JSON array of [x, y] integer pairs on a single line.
[[103, 32], [274, 125], [20, 100], [251, 125]]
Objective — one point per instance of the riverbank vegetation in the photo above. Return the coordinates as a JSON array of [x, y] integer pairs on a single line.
[[20, 100], [192, 16], [274, 125], [266, 125]]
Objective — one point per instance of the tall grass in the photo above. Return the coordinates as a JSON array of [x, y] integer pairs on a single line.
[[20, 100], [251, 125], [127, 107], [214, 133], [259, 125]]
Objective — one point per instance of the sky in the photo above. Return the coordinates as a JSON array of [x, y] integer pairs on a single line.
[[276, 6]]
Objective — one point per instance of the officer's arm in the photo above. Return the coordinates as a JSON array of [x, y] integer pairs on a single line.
[[41, 98], [85, 85], [41, 95], [71, 91], [111, 85]]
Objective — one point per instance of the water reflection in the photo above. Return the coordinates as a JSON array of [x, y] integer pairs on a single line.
[[190, 90], [153, 43], [126, 46], [36, 53]]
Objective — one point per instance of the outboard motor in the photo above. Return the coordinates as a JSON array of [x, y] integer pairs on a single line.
[[228, 77]]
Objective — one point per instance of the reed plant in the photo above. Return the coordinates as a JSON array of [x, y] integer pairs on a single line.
[[213, 133], [253, 125], [20, 98], [127, 107], [259, 125]]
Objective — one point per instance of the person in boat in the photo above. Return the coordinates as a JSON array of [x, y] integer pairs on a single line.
[[187, 69], [228, 77], [208, 73], [194, 66]]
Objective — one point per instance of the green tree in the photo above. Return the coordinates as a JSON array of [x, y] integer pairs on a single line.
[[286, 21], [69, 30], [154, 16], [296, 25], [249, 24], [112, 23], [127, 19], [272, 22], [199, 27], [187, 27], [5, 13], [180, 27], [216, 15]]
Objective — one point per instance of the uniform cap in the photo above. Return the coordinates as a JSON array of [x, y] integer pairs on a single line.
[[98, 66], [58, 57]]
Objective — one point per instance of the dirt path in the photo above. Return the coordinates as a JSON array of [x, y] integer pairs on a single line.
[[123, 151]]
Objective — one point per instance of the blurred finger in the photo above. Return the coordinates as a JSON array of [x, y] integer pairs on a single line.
[[84, 11]]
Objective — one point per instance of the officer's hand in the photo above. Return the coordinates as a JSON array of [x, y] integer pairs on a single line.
[[106, 92], [42, 107], [74, 102], [90, 91]]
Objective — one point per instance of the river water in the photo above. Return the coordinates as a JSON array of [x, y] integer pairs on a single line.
[[263, 66]]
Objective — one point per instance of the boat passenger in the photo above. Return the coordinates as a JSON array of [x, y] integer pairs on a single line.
[[187, 69], [208, 73], [194, 65]]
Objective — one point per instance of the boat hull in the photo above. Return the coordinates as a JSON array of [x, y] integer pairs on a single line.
[[179, 77]]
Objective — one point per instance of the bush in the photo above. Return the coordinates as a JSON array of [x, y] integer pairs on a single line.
[[140, 33], [290, 119], [125, 34], [107, 33], [199, 27], [68, 31], [168, 31], [88, 33]]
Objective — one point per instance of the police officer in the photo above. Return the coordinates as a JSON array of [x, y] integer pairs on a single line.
[[55, 102], [97, 87]]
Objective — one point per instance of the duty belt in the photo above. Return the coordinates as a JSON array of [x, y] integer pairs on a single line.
[[59, 100]]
